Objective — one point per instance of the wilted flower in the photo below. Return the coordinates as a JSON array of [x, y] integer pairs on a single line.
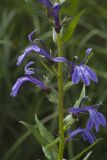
[[96, 118], [27, 78], [87, 136]]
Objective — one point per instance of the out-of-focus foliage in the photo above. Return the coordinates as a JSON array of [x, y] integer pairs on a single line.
[[17, 20]]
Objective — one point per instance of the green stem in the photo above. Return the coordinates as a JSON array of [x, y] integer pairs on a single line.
[[60, 98]]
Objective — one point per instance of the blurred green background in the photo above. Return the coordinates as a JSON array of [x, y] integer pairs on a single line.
[[17, 20]]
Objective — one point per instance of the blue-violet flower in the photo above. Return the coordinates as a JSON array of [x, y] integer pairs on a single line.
[[87, 136], [82, 71], [96, 118], [34, 48], [53, 10], [27, 78]]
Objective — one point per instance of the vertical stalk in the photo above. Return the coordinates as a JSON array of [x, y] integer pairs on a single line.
[[60, 98]]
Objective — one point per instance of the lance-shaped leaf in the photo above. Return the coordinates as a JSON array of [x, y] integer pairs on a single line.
[[43, 136], [48, 137], [72, 26], [43, 131], [87, 156], [78, 156], [82, 95], [53, 96], [34, 130]]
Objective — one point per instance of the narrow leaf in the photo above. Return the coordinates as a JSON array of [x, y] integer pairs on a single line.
[[34, 130], [40, 135], [53, 96], [82, 95], [43, 131], [85, 150], [48, 137], [87, 156], [53, 143], [72, 26], [68, 86]]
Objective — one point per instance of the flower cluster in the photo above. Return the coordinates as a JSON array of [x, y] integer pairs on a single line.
[[77, 72], [95, 120]]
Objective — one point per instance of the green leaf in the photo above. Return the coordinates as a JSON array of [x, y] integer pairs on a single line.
[[68, 120], [82, 95], [43, 136], [43, 131], [87, 156], [50, 154], [53, 143], [72, 26], [62, 1], [48, 137], [54, 35], [68, 86], [34, 130], [85, 150], [53, 96]]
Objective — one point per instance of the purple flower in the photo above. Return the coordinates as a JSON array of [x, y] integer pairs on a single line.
[[88, 51], [40, 51], [53, 10], [46, 3], [87, 136], [55, 13], [96, 118], [27, 78], [32, 48], [83, 72]]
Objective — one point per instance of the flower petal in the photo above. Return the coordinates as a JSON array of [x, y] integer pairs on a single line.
[[77, 110], [30, 36], [102, 119], [75, 132], [92, 74], [76, 75], [21, 80], [27, 51], [60, 59], [28, 70], [84, 75], [90, 123], [44, 53], [88, 51], [87, 135], [55, 12], [95, 119]]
